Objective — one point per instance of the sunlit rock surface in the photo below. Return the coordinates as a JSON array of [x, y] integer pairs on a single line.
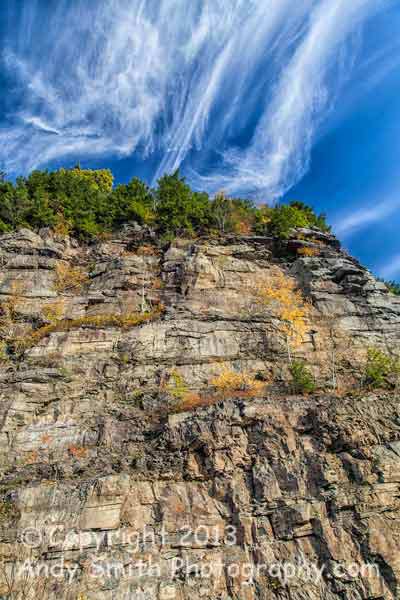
[[249, 498]]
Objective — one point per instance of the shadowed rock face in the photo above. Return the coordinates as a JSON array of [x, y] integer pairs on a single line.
[[251, 498]]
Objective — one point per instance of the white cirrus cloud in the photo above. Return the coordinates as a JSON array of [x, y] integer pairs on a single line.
[[391, 268], [347, 225], [124, 77]]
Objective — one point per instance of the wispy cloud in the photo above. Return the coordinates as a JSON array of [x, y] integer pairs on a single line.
[[392, 268], [118, 77], [349, 224]]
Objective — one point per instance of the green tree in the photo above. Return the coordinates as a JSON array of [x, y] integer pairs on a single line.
[[381, 369], [302, 379], [314, 220], [84, 203], [179, 210], [285, 218], [132, 202], [100, 179]]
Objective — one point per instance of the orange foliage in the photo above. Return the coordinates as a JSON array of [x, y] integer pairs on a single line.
[[226, 385], [146, 250], [157, 284], [243, 228], [77, 451], [32, 457], [192, 400], [308, 251], [46, 439]]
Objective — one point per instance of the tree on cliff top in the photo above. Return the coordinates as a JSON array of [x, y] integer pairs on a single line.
[[179, 210], [84, 202]]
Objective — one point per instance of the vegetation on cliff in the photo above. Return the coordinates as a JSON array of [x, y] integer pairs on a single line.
[[393, 287], [86, 204]]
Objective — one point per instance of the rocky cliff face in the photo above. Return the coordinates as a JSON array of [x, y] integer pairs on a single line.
[[110, 489]]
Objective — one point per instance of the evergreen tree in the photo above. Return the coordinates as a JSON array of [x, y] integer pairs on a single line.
[[178, 209]]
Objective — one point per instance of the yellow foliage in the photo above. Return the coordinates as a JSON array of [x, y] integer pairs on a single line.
[[99, 179], [308, 251], [176, 386], [3, 351], [226, 384], [229, 382], [279, 293], [54, 311], [69, 278], [124, 321], [11, 305]]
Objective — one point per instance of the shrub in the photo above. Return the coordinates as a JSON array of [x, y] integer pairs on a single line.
[[46, 439], [3, 351], [285, 218], [11, 305], [77, 451], [229, 382], [131, 202], [146, 250], [380, 369], [100, 179], [393, 286], [302, 380], [54, 311], [61, 226], [193, 400], [32, 457], [308, 251], [176, 386], [8, 511], [313, 220], [69, 278]]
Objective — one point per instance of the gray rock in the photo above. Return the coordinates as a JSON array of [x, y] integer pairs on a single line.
[[100, 457]]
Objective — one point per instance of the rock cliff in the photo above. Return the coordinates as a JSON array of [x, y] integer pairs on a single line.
[[112, 487]]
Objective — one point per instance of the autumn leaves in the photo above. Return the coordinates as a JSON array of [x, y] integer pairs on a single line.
[[279, 294]]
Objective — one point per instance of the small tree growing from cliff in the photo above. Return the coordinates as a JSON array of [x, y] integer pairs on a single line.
[[302, 379], [381, 369], [333, 345], [280, 294]]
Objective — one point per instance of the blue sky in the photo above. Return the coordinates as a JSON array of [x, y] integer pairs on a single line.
[[270, 99]]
